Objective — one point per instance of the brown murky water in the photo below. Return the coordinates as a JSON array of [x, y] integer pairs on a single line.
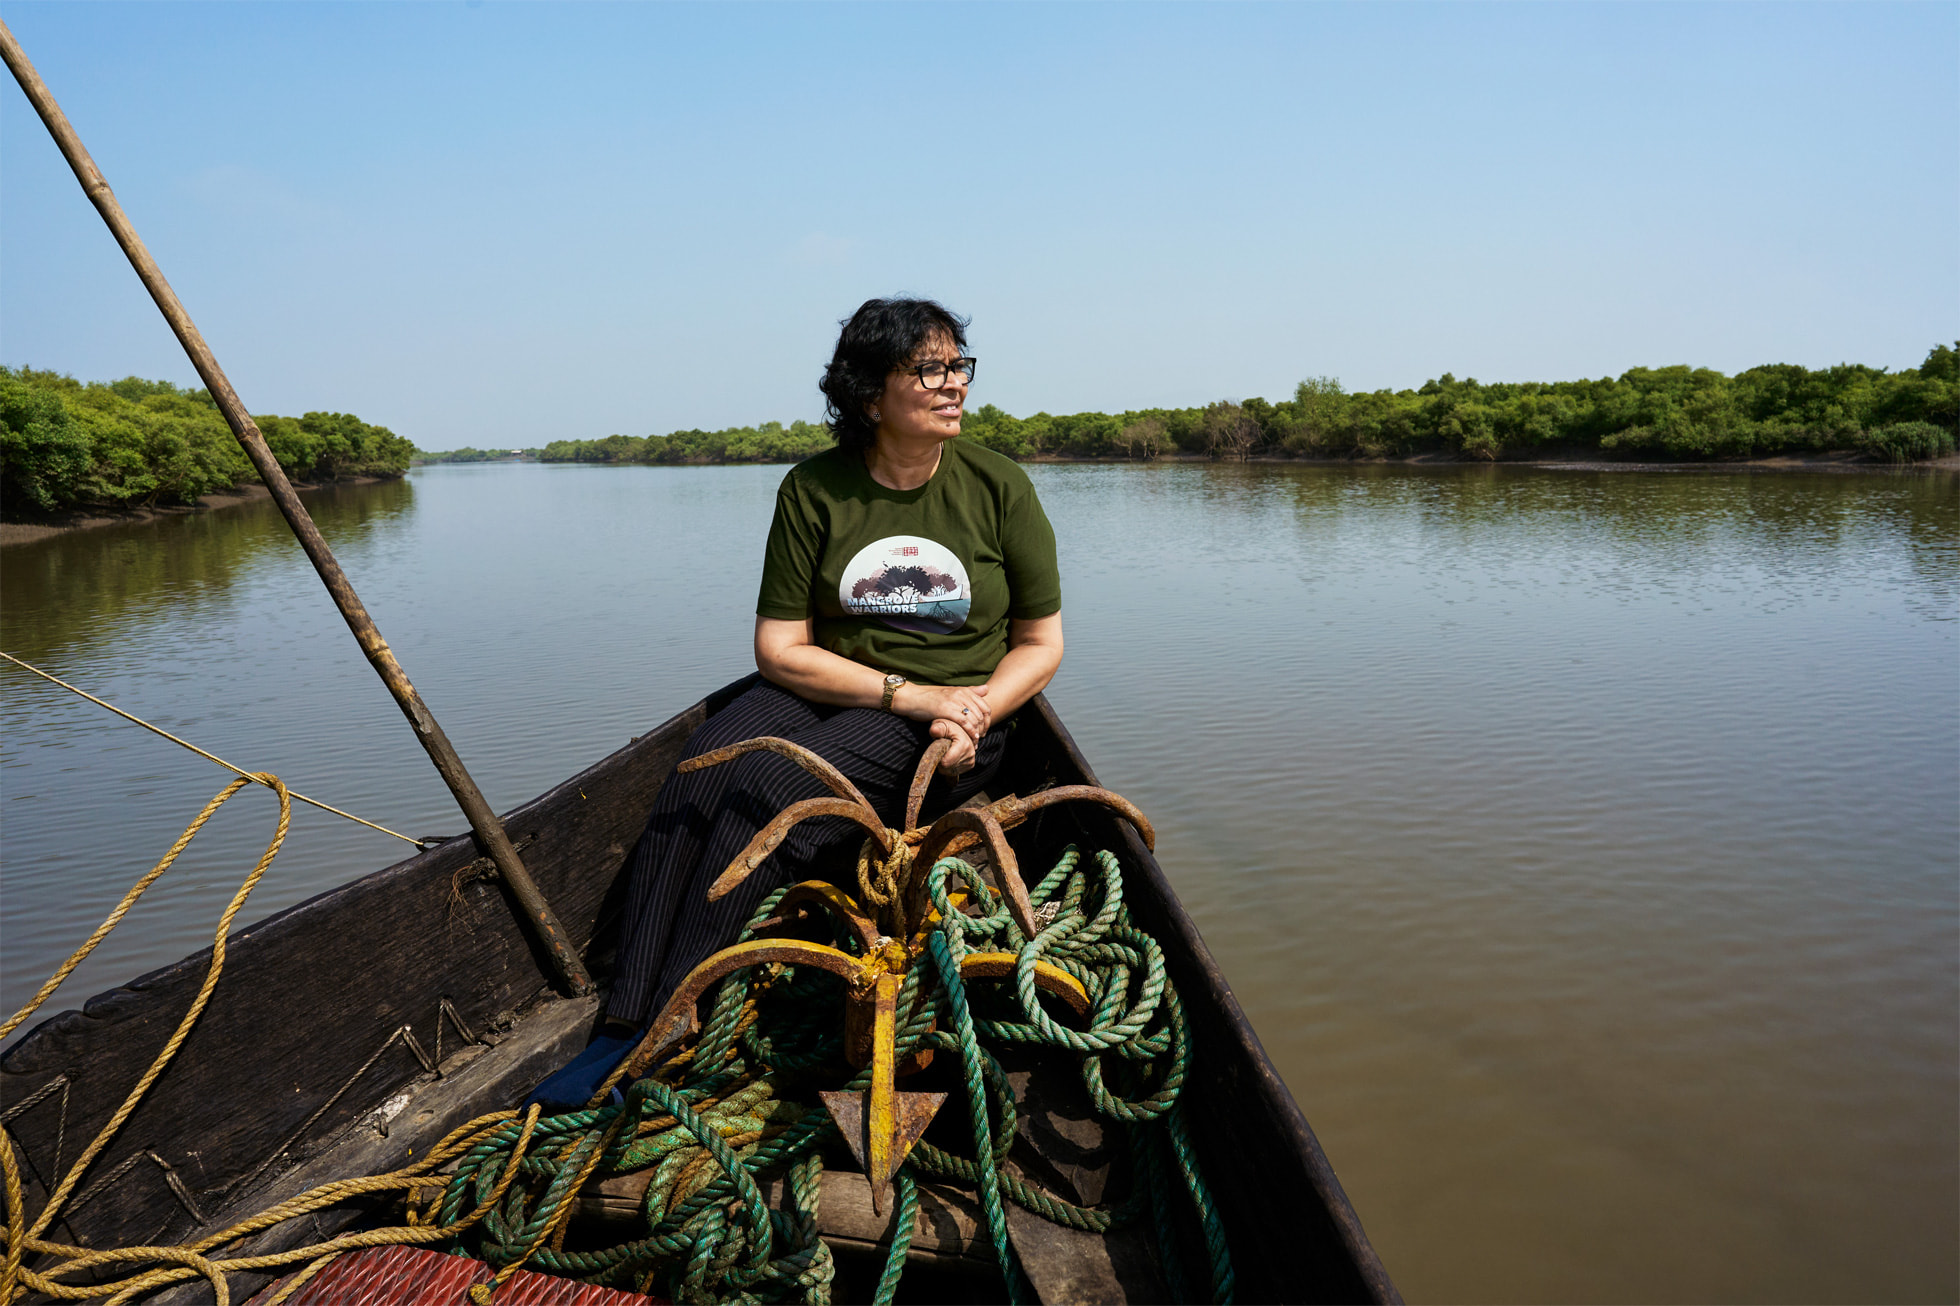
[[1583, 845]]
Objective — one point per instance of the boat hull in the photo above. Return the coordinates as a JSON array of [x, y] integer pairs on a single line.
[[300, 1069]]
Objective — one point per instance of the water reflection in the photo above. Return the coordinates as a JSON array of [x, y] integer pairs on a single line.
[[115, 580], [1580, 843]]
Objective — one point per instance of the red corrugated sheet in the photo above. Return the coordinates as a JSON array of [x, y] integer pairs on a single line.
[[416, 1276]]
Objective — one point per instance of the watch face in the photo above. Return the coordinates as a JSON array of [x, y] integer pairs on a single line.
[[894, 679]]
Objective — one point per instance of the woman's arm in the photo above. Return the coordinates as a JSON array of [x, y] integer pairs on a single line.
[[787, 655], [1034, 651]]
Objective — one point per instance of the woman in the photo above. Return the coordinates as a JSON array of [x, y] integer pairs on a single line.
[[909, 592]]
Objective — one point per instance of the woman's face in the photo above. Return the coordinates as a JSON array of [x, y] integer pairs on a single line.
[[908, 411]]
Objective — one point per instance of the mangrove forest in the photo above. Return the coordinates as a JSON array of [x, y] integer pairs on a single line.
[[135, 443], [1645, 414]]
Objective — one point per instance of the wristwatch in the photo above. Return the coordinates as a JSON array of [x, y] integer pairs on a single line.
[[892, 682]]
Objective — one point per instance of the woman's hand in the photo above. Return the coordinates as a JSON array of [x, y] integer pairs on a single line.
[[786, 656], [961, 756], [962, 706]]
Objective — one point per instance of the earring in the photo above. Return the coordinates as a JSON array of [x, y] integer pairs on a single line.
[[874, 414]]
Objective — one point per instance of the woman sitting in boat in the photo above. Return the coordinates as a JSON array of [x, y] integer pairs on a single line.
[[909, 592]]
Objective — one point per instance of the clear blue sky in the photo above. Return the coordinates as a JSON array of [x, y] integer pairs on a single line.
[[495, 223]]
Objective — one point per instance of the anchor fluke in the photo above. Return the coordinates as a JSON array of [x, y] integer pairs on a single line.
[[880, 1124], [911, 1113]]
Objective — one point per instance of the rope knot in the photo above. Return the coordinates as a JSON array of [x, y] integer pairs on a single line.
[[882, 877]]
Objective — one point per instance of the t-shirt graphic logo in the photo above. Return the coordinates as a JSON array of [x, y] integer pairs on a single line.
[[909, 583]]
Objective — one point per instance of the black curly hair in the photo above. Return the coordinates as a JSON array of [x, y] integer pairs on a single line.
[[881, 336]]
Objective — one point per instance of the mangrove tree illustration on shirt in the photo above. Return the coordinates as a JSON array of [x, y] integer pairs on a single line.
[[909, 583]]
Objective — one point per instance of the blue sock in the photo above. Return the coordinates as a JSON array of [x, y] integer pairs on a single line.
[[574, 1084]]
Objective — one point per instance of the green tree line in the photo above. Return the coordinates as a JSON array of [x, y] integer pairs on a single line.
[[1656, 413], [1676, 413], [466, 454], [771, 442], [134, 443]]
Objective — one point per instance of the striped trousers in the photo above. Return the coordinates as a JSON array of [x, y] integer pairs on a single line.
[[703, 819]]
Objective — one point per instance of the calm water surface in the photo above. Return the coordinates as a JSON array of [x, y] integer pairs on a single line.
[[1582, 845]]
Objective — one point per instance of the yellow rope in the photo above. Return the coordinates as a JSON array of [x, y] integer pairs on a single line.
[[192, 1260], [16, 1217], [213, 757], [163, 1058], [298, 1281], [115, 917]]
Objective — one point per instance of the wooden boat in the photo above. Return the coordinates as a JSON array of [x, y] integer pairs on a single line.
[[352, 1031]]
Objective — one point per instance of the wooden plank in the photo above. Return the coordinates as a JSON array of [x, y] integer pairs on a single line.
[[403, 1126], [948, 1223], [1069, 1267], [308, 999], [1064, 1265]]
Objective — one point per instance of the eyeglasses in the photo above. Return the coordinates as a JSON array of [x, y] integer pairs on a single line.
[[933, 375]]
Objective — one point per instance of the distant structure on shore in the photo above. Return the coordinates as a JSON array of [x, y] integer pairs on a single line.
[[468, 455]]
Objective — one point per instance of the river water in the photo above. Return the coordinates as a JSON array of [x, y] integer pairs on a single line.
[[1582, 844]]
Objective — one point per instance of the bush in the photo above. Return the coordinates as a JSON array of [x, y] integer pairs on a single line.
[[42, 450], [996, 430], [342, 445], [1904, 442], [1147, 438], [1229, 430], [165, 446], [1084, 435], [137, 442]]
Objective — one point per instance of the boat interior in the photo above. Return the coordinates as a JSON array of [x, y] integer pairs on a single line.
[[354, 1030]]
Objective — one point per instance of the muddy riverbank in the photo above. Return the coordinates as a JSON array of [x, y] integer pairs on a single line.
[[82, 519]]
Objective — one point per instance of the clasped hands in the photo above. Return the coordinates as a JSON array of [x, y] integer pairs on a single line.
[[957, 712]]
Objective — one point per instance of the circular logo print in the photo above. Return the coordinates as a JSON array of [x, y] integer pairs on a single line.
[[909, 583]]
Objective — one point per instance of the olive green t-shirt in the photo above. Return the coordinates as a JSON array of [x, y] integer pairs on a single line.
[[922, 582]]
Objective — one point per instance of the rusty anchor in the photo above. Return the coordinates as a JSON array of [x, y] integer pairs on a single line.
[[880, 1124], [950, 835]]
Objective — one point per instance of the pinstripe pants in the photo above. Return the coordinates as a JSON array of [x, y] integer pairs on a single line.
[[703, 819]]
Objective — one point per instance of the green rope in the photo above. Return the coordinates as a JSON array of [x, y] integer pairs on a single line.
[[736, 1111], [1213, 1228], [906, 1219], [976, 1099], [1146, 1149]]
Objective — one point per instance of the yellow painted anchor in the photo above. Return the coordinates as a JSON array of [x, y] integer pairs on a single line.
[[880, 1124]]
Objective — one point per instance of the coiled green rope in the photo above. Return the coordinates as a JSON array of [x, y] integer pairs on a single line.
[[711, 1126]]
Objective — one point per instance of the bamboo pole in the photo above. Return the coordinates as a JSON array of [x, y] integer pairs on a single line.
[[563, 960]]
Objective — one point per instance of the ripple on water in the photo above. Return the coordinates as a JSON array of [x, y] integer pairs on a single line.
[[1582, 845]]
